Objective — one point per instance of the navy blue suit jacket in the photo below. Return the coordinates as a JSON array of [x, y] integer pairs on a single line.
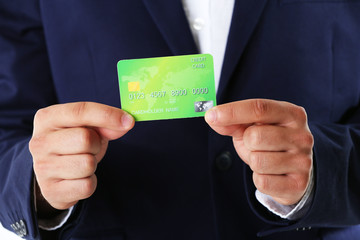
[[166, 179]]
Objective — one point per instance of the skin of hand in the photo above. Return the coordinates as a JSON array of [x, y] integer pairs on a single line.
[[69, 140], [273, 139]]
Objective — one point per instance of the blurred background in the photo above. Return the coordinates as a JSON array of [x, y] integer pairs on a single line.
[[7, 235]]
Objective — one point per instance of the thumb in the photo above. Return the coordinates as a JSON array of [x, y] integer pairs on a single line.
[[127, 123]]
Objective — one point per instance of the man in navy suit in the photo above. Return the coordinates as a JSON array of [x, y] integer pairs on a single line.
[[278, 158]]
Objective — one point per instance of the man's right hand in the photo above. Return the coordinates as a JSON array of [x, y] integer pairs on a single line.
[[68, 142]]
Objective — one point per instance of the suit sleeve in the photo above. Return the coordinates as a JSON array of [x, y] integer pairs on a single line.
[[25, 87], [337, 179]]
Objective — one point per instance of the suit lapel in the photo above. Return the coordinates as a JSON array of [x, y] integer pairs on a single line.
[[170, 18], [245, 18]]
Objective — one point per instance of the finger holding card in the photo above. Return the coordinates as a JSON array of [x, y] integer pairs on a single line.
[[69, 141], [274, 139]]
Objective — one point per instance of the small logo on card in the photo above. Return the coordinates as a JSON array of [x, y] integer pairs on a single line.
[[203, 106]]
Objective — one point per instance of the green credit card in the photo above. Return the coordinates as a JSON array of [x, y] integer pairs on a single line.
[[167, 87]]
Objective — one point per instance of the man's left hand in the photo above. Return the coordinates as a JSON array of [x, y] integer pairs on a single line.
[[274, 139]]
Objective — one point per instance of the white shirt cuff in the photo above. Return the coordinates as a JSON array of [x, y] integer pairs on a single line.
[[291, 212]]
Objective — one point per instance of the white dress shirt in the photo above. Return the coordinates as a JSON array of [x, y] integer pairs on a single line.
[[210, 24]]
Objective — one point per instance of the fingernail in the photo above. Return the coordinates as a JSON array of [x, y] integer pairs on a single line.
[[211, 116], [127, 120]]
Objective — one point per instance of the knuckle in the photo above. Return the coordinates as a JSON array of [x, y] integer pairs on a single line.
[[89, 164], [256, 163], [40, 167], [260, 108], [88, 186], [35, 143], [302, 163], [300, 114], [261, 183], [232, 113], [79, 108], [110, 116], [308, 139], [85, 137], [306, 162], [107, 113], [48, 191], [41, 115], [305, 141], [253, 137], [300, 183]]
